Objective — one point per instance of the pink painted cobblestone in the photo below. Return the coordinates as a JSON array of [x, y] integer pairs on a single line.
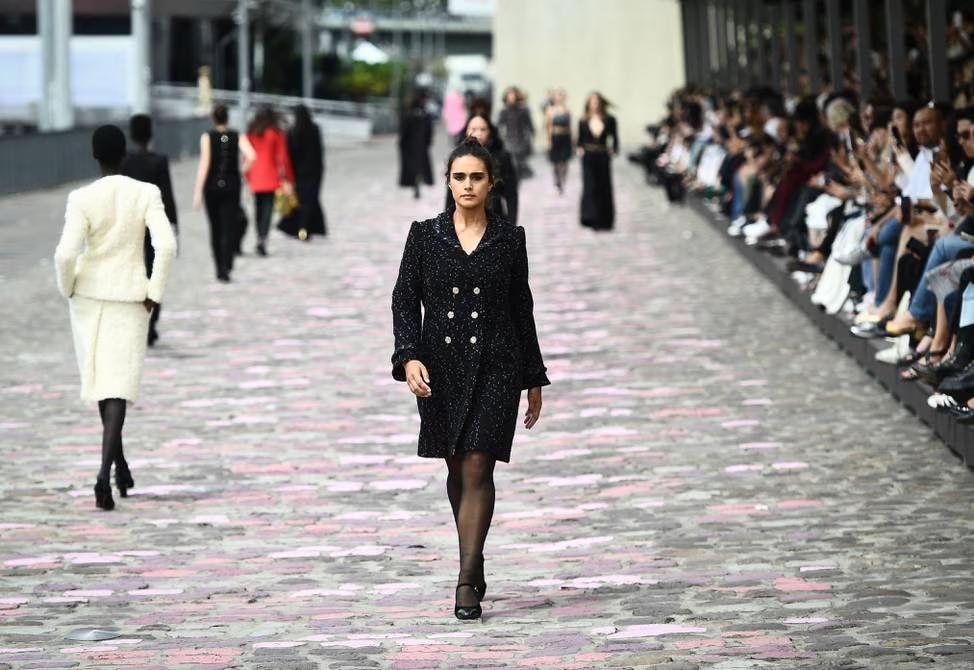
[[712, 485]]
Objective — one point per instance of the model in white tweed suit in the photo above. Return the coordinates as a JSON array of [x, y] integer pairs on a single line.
[[101, 271]]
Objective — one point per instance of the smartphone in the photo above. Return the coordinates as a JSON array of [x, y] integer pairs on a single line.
[[906, 209]]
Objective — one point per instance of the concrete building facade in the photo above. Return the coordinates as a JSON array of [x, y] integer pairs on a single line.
[[629, 50]]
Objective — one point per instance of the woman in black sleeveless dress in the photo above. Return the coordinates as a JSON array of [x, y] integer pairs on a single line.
[[598, 144], [218, 187]]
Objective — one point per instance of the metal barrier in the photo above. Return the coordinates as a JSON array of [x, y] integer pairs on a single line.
[[175, 100], [44, 160]]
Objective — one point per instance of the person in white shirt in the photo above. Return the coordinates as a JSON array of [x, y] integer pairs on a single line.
[[101, 271]]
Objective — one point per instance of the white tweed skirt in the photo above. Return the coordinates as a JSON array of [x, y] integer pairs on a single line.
[[109, 342]]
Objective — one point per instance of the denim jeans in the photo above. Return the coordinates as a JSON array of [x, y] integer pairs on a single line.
[[737, 205], [923, 304], [887, 240]]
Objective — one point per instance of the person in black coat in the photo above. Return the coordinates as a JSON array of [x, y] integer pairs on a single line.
[[415, 136], [151, 167], [598, 144], [503, 197], [466, 345], [308, 159]]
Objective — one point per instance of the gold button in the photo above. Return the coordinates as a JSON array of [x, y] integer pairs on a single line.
[[473, 340], [474, 315], [476, 290], [448, 339], [455, 290], [449, 315]]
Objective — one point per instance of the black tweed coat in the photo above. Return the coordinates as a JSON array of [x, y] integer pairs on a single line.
[[470, 320]]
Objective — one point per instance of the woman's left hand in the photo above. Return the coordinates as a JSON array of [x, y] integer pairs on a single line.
[[534, 407]]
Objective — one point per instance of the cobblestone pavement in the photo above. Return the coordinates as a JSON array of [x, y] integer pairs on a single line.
[[712, 484]]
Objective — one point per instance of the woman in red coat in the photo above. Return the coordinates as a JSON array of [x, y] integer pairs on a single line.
[[271, 170]]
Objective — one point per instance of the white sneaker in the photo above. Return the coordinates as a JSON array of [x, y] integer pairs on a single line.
[[736, 228], [896, 353], [756, 231]]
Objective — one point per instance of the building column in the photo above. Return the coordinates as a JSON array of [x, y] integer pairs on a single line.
[[864, 65], [54, 19], [243, 58], [810, 25], [142, 46], [308, 23], [937, 45], [896, 47], [833, 18]]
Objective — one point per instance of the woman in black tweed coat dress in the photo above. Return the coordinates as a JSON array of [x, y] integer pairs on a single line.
[[466, 344]]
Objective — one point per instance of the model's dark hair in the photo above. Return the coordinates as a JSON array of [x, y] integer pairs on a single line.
[[471, 147], [265, 118], [303, 130], [495, 134], [108, 145], [140, 128], [220, 115]]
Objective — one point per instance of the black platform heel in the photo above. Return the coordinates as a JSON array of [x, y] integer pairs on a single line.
[[123, 478], [467, 612], [103, 495]]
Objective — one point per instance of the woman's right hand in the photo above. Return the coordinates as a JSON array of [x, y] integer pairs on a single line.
[[418, 379]]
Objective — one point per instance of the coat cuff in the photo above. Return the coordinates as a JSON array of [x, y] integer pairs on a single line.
[[533, 378], [398, 360]]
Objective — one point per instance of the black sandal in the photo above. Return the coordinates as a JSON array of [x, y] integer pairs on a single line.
[[911, 374]]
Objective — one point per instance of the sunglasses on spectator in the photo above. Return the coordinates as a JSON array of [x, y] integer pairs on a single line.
[[965, 134]]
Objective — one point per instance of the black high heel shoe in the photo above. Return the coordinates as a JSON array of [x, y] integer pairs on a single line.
[[103, 495], [123, 478], [467, 612], [481, 588]]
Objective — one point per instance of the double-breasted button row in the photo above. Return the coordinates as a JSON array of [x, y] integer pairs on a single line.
[[473, 315], [448, 339]]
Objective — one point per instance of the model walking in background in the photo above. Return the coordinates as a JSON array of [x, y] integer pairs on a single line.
[[270, 171], [218, 186], [415, 136], [466, 344], [308, 159], [558, 128], [152, 168], [598, 144], [517, 130], [101, 270]]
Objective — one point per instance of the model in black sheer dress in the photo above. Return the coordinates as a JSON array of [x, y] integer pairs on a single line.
[[598, 143]]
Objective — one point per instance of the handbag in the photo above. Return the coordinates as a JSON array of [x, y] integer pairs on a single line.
[[284, 202]]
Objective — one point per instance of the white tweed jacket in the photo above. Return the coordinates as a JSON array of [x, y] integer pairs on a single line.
[[100, 254]]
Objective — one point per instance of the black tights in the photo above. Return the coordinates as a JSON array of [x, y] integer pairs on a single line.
[[470, 486], [112, 413], [561, 171]]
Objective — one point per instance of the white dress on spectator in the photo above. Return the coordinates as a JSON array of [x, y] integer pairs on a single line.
[[101, 270]]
